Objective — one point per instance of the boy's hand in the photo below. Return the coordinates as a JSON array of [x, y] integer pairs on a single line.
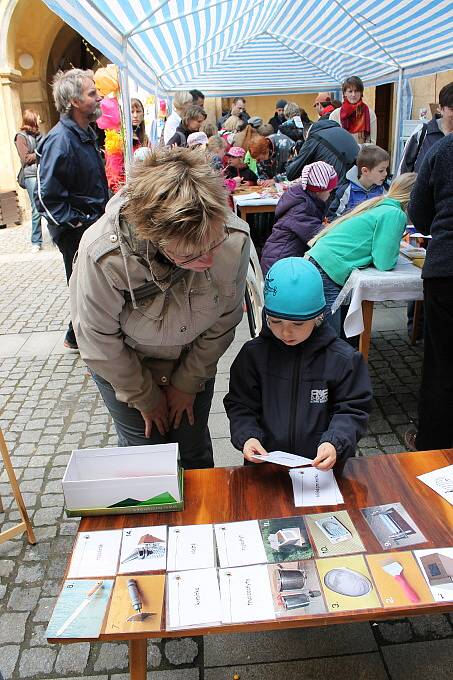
[[326, 458], [251, 447]]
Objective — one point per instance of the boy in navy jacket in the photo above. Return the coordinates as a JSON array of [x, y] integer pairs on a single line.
[[297, 387]]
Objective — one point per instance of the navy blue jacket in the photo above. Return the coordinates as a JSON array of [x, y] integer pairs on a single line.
[[326, 141], [71, 184], [431, 208], [298, 217], [295, 398]]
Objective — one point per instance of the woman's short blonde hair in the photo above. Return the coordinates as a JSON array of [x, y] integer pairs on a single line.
[[181, 101], [231, 123], [291, 109], [175, 194]]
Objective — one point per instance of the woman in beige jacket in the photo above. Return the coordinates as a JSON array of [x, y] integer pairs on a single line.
[[156, 293]]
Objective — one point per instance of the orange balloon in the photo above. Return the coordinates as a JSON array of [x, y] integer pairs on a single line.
[[106, 80]]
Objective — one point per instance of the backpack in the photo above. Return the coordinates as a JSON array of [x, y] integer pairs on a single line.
[[410, 162], [31, 148]]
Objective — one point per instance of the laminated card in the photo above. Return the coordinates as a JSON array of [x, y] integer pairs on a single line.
[[246, 594], [190, 547], [143, 549], [193, 599], [334, 533], [80, 609], [239, 543], [437, 568], [285, 539], [96, 553]]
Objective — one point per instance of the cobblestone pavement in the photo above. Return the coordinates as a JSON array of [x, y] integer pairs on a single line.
[[49, 405]]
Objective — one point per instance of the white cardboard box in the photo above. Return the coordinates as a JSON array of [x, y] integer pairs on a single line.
[[102, 478]]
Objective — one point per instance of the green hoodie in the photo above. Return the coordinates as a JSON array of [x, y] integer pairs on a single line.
[[371, 238]]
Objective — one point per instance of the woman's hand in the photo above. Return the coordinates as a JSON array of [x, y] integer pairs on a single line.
[[326, 458], [251, 447], [178, 402], [158, 416], [266, 182]]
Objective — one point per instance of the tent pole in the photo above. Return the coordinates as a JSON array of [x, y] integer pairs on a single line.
[[126, 106], [398, 129]]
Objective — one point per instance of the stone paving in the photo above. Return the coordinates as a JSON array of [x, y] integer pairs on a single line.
[[49, 405]]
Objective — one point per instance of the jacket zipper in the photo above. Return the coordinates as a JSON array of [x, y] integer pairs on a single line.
[[294, 404]]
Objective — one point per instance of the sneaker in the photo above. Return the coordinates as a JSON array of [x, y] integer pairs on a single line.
[[410, 439], [35, 248], [70, 345]]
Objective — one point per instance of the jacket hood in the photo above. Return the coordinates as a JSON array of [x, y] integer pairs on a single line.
[[352, 176], [296, 195], [321, 337], [323, 124]]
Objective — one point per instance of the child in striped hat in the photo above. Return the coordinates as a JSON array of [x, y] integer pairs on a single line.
[[299, 214]]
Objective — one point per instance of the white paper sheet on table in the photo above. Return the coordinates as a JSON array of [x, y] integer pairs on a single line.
[[239, 543], [440, 481], [143, 549], [283, 458], [193, 598], [190, 547], [246, 594], [96, 554], [315, 487]]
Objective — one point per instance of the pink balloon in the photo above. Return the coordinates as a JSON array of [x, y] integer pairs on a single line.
[[111, 118]]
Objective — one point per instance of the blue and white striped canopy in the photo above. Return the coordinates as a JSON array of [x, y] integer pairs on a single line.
[[259, 46]]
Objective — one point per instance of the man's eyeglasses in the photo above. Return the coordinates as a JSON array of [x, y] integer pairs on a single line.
[[188, 260]]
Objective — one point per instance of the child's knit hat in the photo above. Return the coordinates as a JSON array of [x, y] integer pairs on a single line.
[[197, 138], [318, 176], [293, 290]]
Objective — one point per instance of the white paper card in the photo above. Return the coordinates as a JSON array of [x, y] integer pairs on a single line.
[[96, 554], [193, 598], [143, 549], [440, 481], [436, 565], [190, 547], [315, 487], [246, 594], [283, 458], [239, 543]]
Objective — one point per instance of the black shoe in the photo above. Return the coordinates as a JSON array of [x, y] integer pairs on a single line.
[[410, 439], [70, 345]]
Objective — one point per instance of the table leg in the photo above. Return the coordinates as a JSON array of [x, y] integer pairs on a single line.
[[138, 659], [365, 337]]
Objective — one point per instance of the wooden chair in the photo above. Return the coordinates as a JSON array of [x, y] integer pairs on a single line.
[[25, 525]]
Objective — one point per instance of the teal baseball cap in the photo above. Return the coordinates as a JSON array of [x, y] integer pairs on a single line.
[[293, 290]]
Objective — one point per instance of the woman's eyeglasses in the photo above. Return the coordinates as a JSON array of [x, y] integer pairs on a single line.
[[178, 261]]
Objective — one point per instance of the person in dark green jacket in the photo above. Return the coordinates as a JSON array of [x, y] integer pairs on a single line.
[[369, 235]]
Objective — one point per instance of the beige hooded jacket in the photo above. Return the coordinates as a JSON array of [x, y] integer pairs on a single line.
[[175, 337]]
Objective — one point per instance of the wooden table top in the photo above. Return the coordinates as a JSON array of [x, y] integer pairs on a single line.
[[265, 491]]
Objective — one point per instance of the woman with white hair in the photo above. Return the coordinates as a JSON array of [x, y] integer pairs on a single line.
[[181, 102], [156, 294]]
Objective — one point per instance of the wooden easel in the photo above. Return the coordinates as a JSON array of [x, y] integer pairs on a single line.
[[25, 525]]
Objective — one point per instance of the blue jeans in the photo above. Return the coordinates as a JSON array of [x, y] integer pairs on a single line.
[[195, 446], [36, 232], [331, 292]]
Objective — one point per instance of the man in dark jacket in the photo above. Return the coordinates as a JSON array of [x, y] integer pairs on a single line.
[[326, 141], [428, 134], [297, 387], [279, 117], [431, 211], [71, 190]]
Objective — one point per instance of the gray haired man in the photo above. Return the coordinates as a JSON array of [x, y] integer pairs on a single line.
[[71, 189]]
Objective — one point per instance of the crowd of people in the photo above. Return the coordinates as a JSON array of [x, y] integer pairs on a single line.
[[157, 286]]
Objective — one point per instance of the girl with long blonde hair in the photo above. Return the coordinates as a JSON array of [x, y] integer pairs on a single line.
[[368, 235]]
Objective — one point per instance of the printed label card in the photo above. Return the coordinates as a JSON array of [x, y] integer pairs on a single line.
[[285, 539], [334, 533], [136, 604], [296, 589], [314, 487], [80, 609], [96, 553], [246, 594], [347, 583], [190, 547], [440, 481], [398, 579], [239, 543], [392, 526], [193, 599], [437, 568], [143, 549]]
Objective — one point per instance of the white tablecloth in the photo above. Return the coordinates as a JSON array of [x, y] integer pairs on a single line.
[[402, 283], [242, 201]]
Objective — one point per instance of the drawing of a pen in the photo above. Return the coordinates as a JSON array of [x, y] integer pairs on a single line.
[[89, 597]]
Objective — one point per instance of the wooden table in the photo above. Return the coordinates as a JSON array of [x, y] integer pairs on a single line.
[[264, 491], [260, 205]]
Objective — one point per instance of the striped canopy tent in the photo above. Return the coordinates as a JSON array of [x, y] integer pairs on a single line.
[[226, 47]]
